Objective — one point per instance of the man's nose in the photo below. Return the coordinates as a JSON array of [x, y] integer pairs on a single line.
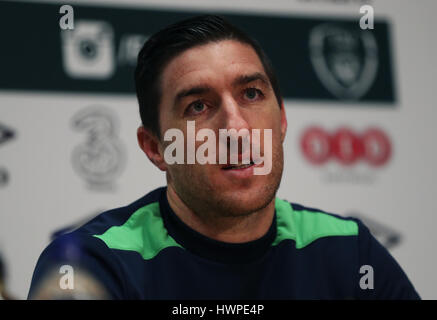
[[232, 117], [238, 129]]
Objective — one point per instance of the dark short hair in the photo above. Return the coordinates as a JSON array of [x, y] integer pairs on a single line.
[[169, 42]]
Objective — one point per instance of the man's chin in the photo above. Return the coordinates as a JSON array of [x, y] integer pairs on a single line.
[[238, 203]]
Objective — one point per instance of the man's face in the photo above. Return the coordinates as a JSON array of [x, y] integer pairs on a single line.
[[221, 85]]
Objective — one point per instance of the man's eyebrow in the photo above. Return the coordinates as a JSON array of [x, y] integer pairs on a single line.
[[191, 91], [201, 89], [245, 79]]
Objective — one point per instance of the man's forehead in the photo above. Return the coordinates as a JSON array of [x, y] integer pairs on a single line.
[[197, 64]]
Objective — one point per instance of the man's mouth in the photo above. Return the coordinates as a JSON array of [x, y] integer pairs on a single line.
[[238, 166]]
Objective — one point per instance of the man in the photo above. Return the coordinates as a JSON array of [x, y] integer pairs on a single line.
[[216, 231]]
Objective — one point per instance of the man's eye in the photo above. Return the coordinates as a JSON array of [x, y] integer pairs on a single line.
[[196, 107], [252, 93]]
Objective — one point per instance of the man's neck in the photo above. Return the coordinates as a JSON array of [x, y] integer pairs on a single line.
[[220, 227]]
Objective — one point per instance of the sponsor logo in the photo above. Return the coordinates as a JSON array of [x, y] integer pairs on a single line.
[[345, 59], [4, 177], [345, 155], [88, 50], [130, 45], [6, 134], [387, 236], [100, 159], [346, 146]]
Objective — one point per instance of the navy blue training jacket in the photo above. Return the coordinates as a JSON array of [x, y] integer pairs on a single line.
[[144, 251]]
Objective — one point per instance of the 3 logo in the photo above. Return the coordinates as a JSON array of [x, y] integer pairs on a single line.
[[4, 176], [346, 146], [100, 159]]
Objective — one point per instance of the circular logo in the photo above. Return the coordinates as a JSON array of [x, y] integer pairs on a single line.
[[315, 145], [346, 146], [88, 49], [377, 149]]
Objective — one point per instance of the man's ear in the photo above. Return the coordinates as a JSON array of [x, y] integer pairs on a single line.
[[150, 144], [284, 123]]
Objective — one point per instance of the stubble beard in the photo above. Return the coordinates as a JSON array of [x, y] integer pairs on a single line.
[[208, 204]]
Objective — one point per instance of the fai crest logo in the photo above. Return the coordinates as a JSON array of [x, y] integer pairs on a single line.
[[344, 59], [101, 158]]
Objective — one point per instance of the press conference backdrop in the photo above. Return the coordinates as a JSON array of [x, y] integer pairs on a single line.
[[359, 106]]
